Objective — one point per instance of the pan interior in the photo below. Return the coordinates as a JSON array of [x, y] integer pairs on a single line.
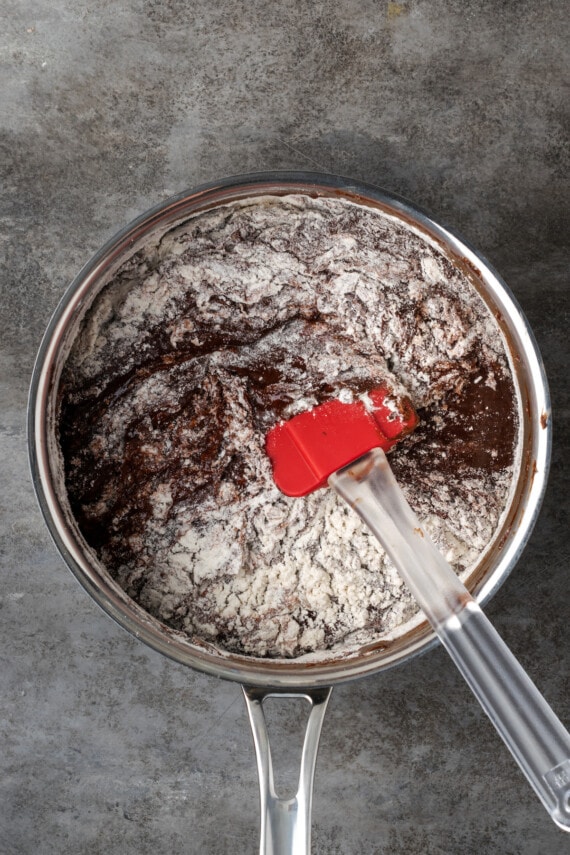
[[314, 669]]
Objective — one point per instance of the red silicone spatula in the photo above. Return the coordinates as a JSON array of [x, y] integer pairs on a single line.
[[308, 448], [343, 445]]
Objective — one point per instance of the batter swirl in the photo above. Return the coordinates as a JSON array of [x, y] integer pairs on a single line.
[[245, 315]]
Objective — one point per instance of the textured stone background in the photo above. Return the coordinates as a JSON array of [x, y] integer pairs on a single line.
[[109, 107]]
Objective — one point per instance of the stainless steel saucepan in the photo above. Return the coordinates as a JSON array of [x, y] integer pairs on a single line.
[[285, 823]]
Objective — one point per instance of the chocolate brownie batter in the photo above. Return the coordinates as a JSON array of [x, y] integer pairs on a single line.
[[245, 315]]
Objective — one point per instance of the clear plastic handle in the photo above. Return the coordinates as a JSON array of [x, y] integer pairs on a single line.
[[535, 736]]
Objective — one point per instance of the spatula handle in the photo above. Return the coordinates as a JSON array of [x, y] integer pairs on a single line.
[[537, 739]]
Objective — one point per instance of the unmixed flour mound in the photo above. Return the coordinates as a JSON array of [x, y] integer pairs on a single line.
[[245, 315]]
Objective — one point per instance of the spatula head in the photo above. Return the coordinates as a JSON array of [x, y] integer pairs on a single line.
[[307, 449]]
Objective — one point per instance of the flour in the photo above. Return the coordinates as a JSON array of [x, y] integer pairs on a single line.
[[241, 317]]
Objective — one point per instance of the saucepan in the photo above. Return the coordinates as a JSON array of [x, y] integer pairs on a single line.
[[285, 822]]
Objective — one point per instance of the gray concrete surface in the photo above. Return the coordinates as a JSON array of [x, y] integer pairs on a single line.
[[109, 107]]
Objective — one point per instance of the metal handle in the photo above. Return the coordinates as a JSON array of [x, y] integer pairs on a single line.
[[285, 823]]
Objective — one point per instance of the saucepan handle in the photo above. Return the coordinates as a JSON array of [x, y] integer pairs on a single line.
[[286, 823]]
